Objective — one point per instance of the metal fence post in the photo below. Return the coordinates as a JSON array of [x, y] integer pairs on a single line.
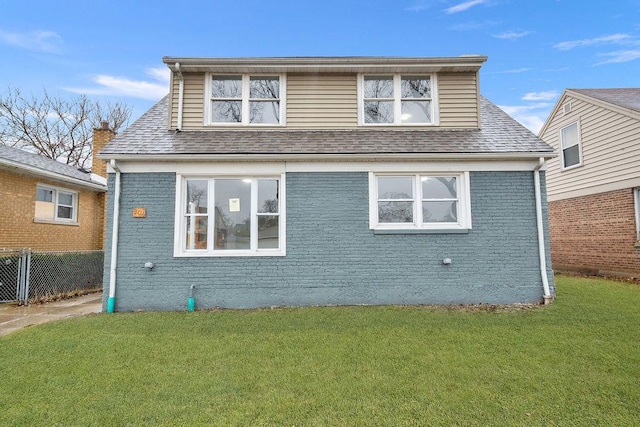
[[27, 276]]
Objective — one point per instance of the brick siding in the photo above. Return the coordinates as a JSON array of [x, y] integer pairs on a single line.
[[595, 234]]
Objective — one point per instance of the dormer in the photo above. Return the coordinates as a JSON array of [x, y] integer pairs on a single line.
[[324, 93]]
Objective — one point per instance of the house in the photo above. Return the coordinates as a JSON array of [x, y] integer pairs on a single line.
[[51, 206], [594, 185], [264, 182]]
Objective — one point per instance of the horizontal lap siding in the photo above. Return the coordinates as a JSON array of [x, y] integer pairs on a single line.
[[322, 101], [332, 255], [193, 106], [458, 100], [610, 149]]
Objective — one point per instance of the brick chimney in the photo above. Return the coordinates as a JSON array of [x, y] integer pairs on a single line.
[[101, 137]]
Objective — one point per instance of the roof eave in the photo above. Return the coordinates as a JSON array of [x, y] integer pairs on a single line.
[[11, 165]]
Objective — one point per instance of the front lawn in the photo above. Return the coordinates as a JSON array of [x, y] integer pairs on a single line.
[[575, 362]]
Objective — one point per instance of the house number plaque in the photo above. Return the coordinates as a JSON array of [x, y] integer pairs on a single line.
[[139, 212]]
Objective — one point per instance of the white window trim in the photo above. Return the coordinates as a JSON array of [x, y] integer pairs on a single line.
[[464, 201], [397, 104], [179, 242], [245, 100], [56, 219], [579, 144], [636, 199]]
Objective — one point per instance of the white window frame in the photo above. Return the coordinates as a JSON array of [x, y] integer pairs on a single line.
[[397, 99], [636, 199], [579, 144], [246, 78], [464, 204], [180, 249], [55, 200]]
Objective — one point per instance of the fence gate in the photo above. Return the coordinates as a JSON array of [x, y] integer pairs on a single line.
[[13, 264]]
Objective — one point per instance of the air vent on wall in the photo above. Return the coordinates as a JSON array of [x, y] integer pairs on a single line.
[[567, 108]]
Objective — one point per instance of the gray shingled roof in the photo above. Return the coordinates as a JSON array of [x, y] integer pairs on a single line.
[[500, 134], [623, 97], [15, 157]]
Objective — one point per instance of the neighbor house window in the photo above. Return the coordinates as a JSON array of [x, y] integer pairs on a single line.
[[245, 100], [56, 204], [636, 199], [419, 201], [397, 100], [231, 216], [570, 142]]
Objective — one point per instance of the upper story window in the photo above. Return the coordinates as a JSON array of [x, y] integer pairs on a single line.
[[419, 201], [245, 100], [570, 144], [397, 100], [230, 216], [56, 204]]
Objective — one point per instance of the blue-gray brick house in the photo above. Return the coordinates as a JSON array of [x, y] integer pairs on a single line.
[[264, 182]]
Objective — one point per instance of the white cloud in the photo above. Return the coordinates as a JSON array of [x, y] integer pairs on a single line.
[[531, 116], [122, 86], [417, 6], [464, 6], [474, 25], [617, 38], [620, 56], [512, 35], [44, 41], [540, 96]]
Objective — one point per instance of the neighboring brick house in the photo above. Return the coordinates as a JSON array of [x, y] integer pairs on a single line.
[[594, 185], [318, 181], [48, 205]]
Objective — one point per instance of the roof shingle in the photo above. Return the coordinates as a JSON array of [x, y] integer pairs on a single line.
[[622, 97]]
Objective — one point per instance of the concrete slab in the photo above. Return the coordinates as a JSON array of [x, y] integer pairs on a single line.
[[14, 317]]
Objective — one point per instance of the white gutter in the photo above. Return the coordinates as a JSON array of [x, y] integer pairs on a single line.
[[541, 249], [180, 95], [111, 302]]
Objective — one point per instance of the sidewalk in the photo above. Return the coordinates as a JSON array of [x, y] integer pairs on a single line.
[[14, 317]]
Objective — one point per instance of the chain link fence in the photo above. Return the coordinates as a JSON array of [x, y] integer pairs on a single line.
[[42, 275]]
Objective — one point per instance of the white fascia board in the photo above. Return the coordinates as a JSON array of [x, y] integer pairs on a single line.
[[30, 170]]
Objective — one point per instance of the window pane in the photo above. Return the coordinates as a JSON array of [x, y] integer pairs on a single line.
[[440, 211], [226, 87], [226, 111], [571, 156], [232, 214], [378, 112], [415, 87], [439, 187], [416, 112], [268, 196], [395, 211], [65, 199], [268, 231], [264, 112], [264, 87], [197, 196], [395, 187], [65, 212], [44, 195], [378, 87], [570, 135], [196, 235]]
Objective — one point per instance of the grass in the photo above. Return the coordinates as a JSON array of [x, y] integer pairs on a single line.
[[575, 362]]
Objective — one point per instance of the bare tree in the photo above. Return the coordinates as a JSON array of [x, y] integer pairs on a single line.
[[60, 129]]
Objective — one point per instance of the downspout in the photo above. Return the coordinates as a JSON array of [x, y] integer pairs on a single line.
[[541, 250], [111, 302], [180, 95]]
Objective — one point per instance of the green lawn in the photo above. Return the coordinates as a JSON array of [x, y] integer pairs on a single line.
[[575, 362]]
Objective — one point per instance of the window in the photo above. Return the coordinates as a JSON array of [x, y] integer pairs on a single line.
[[419, 201], [636, 198], [231, 216], [570, 141], [245, 100], [55, 204], [397, 100]]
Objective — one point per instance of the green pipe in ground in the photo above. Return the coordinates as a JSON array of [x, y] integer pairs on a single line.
[[111, 304]]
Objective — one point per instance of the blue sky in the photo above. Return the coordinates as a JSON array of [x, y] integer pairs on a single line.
[[112, 50]]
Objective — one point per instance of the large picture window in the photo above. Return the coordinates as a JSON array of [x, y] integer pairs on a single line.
[[419, 201], [231, 216], [397, 100], [56, 204], [246, 100], [571, 150]]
